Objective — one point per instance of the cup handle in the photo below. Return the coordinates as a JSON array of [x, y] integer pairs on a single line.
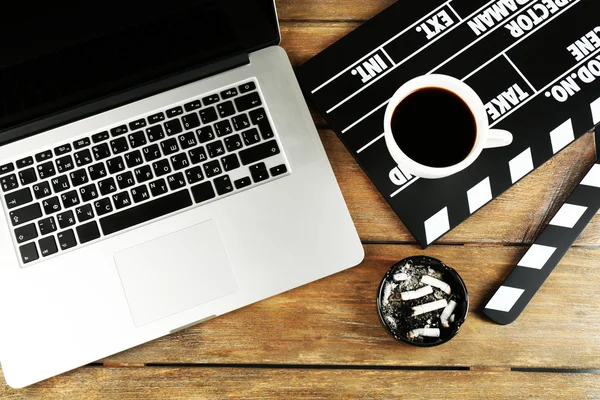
[[498, 138]]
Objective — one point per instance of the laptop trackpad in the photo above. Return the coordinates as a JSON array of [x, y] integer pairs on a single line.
[[175, 273]]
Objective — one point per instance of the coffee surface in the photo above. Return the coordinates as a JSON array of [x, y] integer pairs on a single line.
[[434, 127]]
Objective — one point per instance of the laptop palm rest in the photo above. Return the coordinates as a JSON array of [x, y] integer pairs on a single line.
[[174, 273]]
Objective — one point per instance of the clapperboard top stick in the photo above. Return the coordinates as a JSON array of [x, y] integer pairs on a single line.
[[535, 65]]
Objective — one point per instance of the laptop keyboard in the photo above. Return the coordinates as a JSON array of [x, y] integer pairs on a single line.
[[145, 168]]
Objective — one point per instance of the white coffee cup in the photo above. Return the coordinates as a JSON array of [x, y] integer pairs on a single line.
[[485, 137]]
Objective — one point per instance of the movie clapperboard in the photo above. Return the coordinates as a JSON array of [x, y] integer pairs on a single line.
[[535, 64]]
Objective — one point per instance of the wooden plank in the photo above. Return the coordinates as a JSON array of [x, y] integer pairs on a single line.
[[334, 320], [330, 10], [93, 383]]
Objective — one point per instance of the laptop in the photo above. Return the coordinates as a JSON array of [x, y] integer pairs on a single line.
[[158, 167]]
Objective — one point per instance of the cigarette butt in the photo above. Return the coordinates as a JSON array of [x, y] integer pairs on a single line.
[[401, 277], [425, 332], [416, 294], [430, 280], [428, 307], [452, 317], [387, 291], [447, 312]]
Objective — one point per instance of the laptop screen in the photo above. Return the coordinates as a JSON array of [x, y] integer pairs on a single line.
[[59, 54]]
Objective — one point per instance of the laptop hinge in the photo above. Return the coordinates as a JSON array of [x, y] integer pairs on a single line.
[[122, 98]]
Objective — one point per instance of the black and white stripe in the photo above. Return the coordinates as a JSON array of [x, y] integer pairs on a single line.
[[533, 269]]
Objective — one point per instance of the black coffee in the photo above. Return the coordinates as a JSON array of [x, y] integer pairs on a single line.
[[434, 127]]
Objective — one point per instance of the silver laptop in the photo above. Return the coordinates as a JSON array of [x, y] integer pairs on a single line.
[[158, 168]]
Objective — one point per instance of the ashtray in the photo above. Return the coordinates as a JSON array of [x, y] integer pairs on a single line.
[[422, 302]]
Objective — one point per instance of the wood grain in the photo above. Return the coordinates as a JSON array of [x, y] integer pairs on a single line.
[[94, 383], [334, 320], [330, 10]]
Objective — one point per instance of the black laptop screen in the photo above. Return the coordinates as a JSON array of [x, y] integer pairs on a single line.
[[59, 54]]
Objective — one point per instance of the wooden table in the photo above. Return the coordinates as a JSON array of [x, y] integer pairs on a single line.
[[324, 340]]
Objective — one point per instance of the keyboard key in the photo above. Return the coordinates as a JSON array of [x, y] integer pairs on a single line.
[[187, 140], [205, 134], [101, 151], [229, 93], [25, 214], [137, 139], [115, 165], [173, 112], [26, 233], [158, 187], [173, 127], [223, 185], [203, 192], [169, 146], [265, 130], [197, 155], [240, 122], [64, 164], [83, 157], [9, 182], [161, 167], [88, 232], [259, 152], [233, 142], [134, 159], [140, 123], [194, 175], [41, 190], [48, 246], [27, 176], [247, 87], [125, 180], [190, 121], [212, 99], [65, 219], [84, 213], [143, 173], [107, 186], [212, 168], [242, 183], [47, 225], [97, 171], [46, 170], [29, 253], [251, 136], [60, 183], [215, 149], [70, 199], [140, 194], [119, 145], [121, 200], [208, 115], [6, 168], [51, 205], [18, 198], [81, 143], [180, 161], [66, 240], [223, 128], [248, 101], [25, 162], [100, 137], [257, 116], [151, 153], [176, 181], [225, 109], [145, 212], [194, 105], [43, 156], [79, 177], [230, 162], [119, 130], [154, 118], [103, 206], [259, 172], [88, 193], [278, 170], [155, 133]]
